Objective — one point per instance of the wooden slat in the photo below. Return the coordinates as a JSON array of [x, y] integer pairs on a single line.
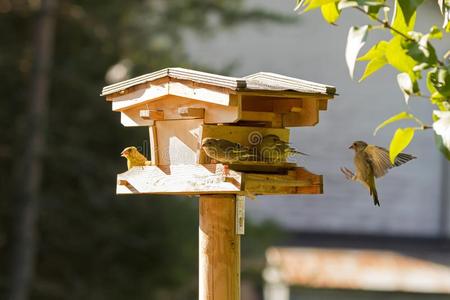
[[258, 103], [155, 115], [323, 104], [286, 105], [214, 113], [179, 179], [273, 118], [296, 109], [191, 112], [146, 93], [215, 179], [131, 119], [153, 145], [308, 116], [262, 167], [149, 92], [283, 94], [316, 186], [298, 181], [114, 96], [199, 92]]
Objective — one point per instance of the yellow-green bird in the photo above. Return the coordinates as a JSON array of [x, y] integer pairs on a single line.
[[225, 151], [372, 162], [273, 149], [134, 157]]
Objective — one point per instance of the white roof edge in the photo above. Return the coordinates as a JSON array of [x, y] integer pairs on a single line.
[[257, 81]]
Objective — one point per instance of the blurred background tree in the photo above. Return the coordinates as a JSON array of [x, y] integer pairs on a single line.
[[59, 154]]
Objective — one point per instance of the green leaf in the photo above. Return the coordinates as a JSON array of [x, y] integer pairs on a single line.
[[373, 11], [438, 80], [356, 39], [435, 33], [378, 50], [409, 8], [405, 15], [401, 139], [330, 12], [397, 56], [377, 59], [373, 66], [401, 116], [420, 49], [430, 85]]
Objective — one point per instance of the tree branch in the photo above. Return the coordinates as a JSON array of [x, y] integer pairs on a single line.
[[386, 24]]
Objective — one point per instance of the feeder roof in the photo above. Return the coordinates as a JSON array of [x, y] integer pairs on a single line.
[[261, 81]]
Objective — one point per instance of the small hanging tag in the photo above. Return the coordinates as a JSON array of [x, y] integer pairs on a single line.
[[240, 214]]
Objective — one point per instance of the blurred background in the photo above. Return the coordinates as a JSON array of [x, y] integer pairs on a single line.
[[61, 221]]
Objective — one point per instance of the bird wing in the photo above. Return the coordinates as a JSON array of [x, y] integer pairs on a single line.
[[403, 158], [379, 160], [235, 148], [226, 145], [288, 148]]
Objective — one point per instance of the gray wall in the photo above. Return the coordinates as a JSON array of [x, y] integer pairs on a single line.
[[312, 50]]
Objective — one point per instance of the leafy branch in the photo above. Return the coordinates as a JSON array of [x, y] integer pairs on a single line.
[[385, 24], [411, 53]]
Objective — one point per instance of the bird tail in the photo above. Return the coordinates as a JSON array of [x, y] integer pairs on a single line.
[[374, 194], [298, 152], [373, 191]]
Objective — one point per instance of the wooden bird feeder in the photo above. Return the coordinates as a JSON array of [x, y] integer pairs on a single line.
[[181, 107]]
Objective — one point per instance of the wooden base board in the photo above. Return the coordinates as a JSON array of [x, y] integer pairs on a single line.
[[215, 179], [262, 167]]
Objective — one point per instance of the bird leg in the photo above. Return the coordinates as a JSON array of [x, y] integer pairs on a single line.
[[348, 174]]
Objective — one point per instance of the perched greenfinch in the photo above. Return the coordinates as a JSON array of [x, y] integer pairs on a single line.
[[134, 157], [225, 151], [372, 162], [273, 149]]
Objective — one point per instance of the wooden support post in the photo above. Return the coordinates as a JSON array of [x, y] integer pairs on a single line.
[[219, 248]]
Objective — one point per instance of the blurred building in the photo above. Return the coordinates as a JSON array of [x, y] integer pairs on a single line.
[[414, 218], [348, 273]]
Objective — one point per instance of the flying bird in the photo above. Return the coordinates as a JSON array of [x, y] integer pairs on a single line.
[[134, 157], [225, 151], [372, 162], [273, 149]]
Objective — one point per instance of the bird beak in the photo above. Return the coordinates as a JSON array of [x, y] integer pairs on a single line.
[[351, 147], [123, 154]]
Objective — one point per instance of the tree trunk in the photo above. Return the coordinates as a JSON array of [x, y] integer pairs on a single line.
[[28, 171]]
